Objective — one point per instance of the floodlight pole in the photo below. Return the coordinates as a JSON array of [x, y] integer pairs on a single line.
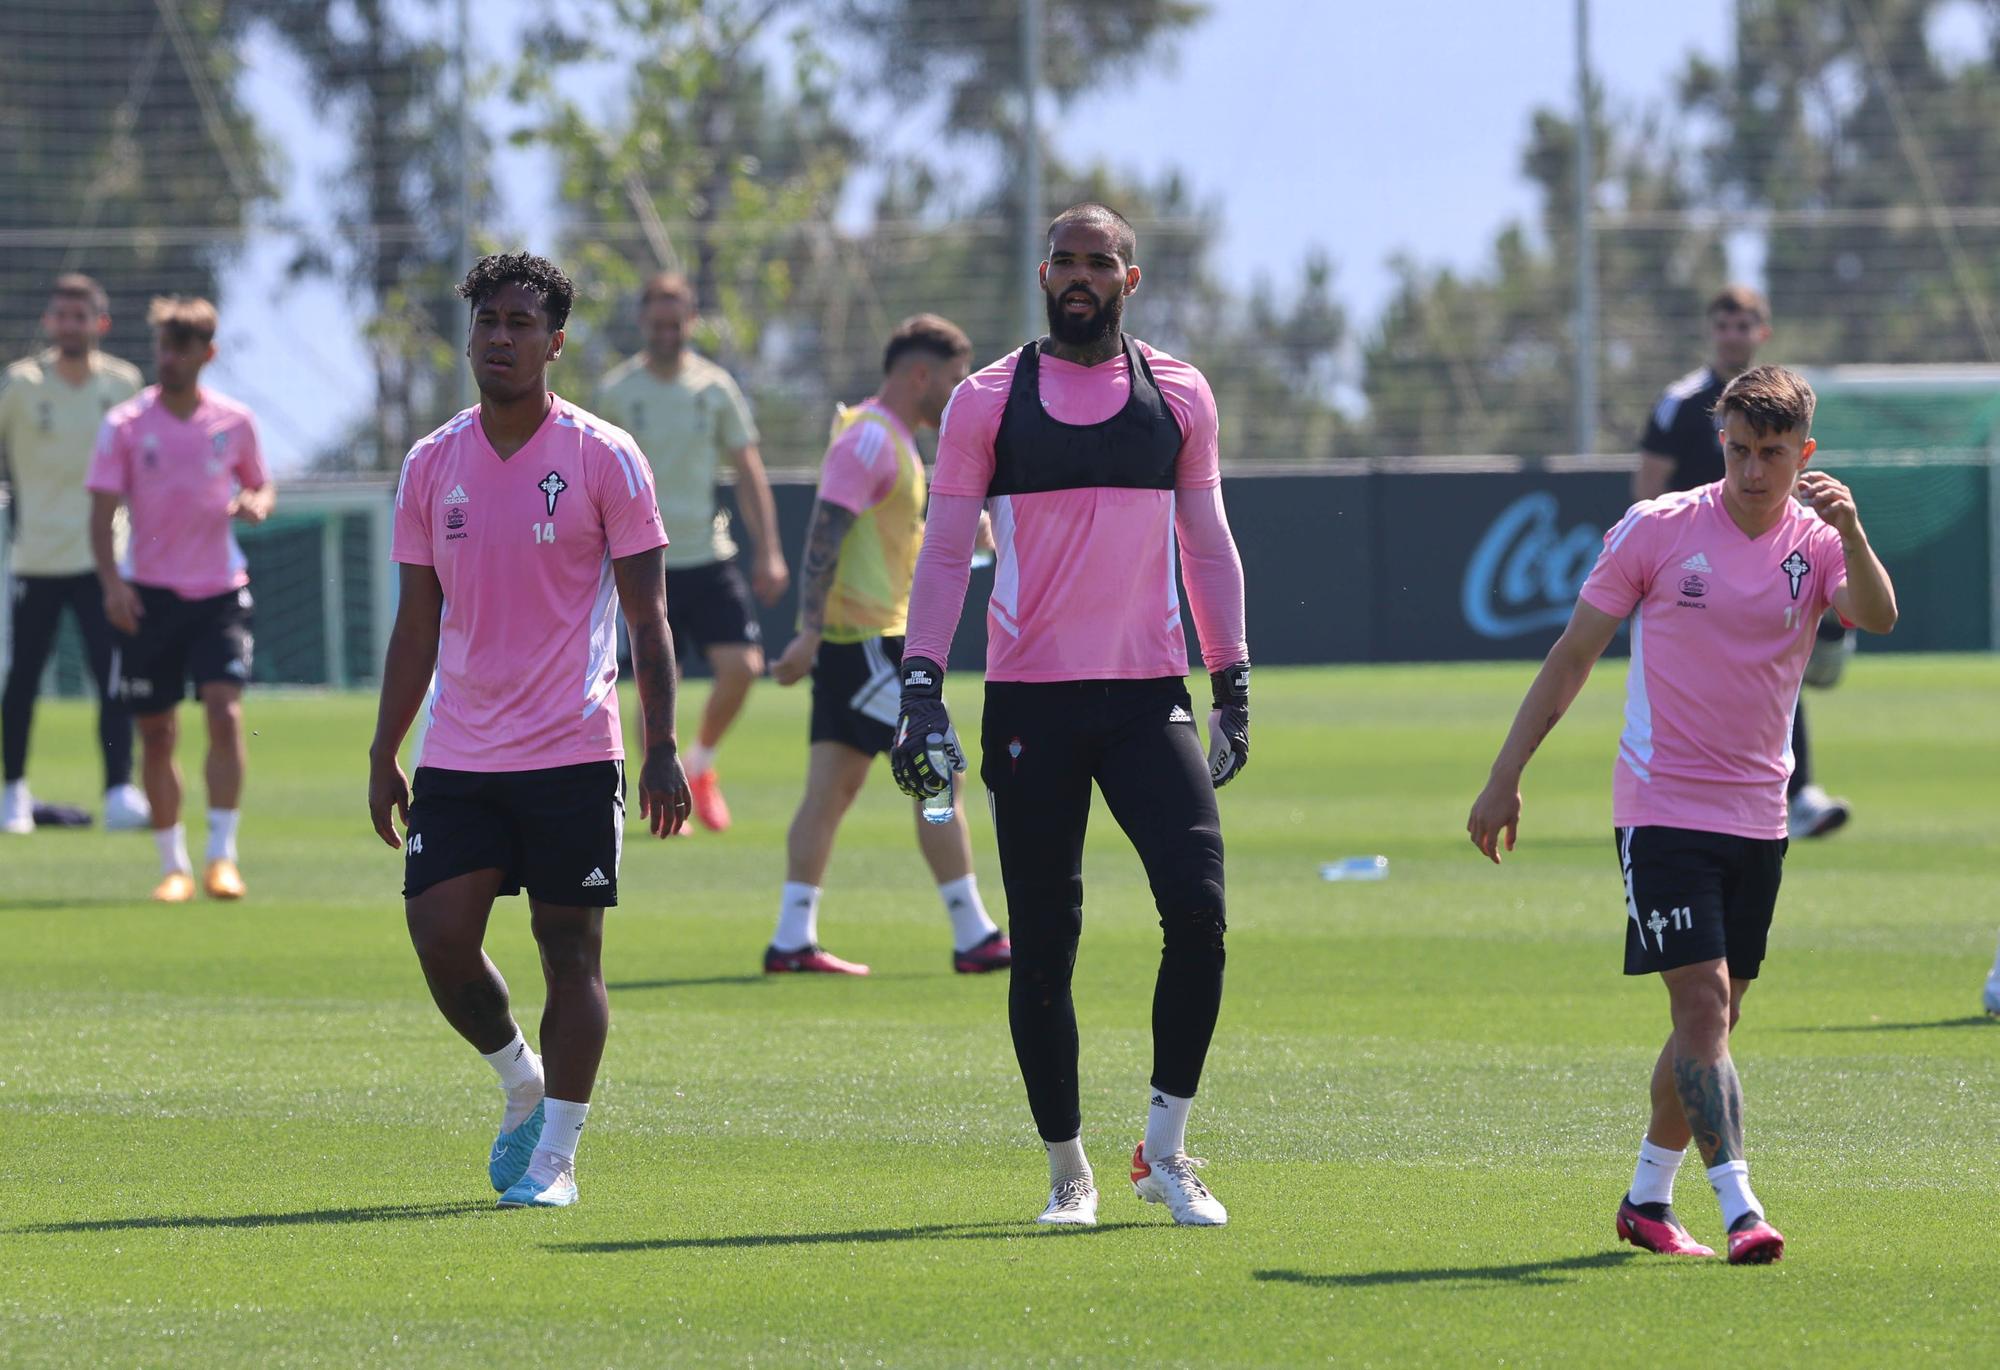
[[1032, 313], [1586, 246]]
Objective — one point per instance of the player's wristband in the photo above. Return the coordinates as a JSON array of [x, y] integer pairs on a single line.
[[1232, 686], [922, 678]]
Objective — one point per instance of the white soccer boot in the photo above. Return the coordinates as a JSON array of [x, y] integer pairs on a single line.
[[1172, 1182], [17, 809], [1814, 813], [1072, 1203], [549, 1183], [1991, 998], [126, 809]]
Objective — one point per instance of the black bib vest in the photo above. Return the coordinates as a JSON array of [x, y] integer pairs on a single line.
[[1136, 448]]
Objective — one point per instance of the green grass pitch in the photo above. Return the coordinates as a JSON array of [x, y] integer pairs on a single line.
[[241, 1135]]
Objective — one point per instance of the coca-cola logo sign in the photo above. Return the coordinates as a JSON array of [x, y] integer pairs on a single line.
[[1525, 570]]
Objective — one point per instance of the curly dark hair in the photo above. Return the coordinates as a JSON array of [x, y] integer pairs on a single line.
[[538, 274]]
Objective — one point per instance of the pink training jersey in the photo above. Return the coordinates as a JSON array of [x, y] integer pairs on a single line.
[[527, 648], [861, 469], [178, 478], [1084, 578], [1722, 625]]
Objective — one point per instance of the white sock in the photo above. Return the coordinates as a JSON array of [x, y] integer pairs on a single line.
[[520, 1072], [1067, 1162], [562, 1126], [222, 834], [798, 918], [1653, 1181], [1731, 1180], [969, 924], [1166, 1124], [698, 760], [1996, 964], [173, 845]]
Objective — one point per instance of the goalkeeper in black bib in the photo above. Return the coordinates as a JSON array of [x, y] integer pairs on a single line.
[[1093, 453]]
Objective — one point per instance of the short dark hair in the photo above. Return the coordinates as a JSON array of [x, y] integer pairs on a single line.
[[74, 285], [1100, 216], [931, 334], [667, 285], [1739, 299], [183, 318], [538, 274], [1772, 398]]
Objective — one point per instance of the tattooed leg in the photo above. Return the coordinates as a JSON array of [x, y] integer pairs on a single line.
[[448, 927], [1704, 1077]]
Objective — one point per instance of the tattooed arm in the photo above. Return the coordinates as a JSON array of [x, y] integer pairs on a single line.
[[1498, 808], [642, 589], [824, 534]]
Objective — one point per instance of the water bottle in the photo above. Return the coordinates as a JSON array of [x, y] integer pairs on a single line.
[[938, 807], [1356, 868]]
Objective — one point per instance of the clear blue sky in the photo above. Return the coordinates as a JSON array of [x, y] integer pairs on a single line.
[[1360, 128]]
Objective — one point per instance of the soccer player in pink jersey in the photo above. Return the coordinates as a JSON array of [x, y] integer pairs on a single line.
[[854, 601], [1724, 586], [521, 525], [1094, 454], [185, 462]]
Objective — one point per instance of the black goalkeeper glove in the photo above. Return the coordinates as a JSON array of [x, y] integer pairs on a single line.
[[924, 728], [1229, 723]]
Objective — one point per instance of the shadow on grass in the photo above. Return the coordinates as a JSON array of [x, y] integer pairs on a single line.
[[72, 903], [929, 1232], [375, 1213], [692, 982], [1528, 1272], [1971, 1020]]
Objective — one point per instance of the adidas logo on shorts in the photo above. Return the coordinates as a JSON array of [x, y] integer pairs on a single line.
[[1697, 562], [596, 877], [457, 495], [1180, 715]]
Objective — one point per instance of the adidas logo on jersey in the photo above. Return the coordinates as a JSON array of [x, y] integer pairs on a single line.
[[595, 878], [457, 495], [1180, 715], [1697, 562]]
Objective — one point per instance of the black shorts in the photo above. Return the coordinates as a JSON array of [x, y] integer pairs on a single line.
[[179, 640], [558, 833], [1694, 896], [710, 606], [857, 690]]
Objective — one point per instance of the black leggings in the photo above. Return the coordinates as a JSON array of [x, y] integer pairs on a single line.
[[1043, 745], [38, 605]]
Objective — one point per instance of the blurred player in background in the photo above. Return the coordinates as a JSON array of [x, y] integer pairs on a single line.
[[688, 416], [1724, 586], [51, 407], [1682, 451], [521, 525], [854, 600], [184, 460], [1096, 456]]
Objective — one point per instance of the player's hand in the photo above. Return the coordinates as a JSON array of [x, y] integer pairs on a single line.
[[251, 506], [797, 662], [388, 793], [123, 607], [1229, 723], [1496, 811], [1832, 501], [664, 800], [769, 579], [923, 717]]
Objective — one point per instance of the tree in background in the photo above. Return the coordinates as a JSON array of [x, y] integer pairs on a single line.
[[1851, 125], [394, 238], [126, 155], [1484, 362]]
